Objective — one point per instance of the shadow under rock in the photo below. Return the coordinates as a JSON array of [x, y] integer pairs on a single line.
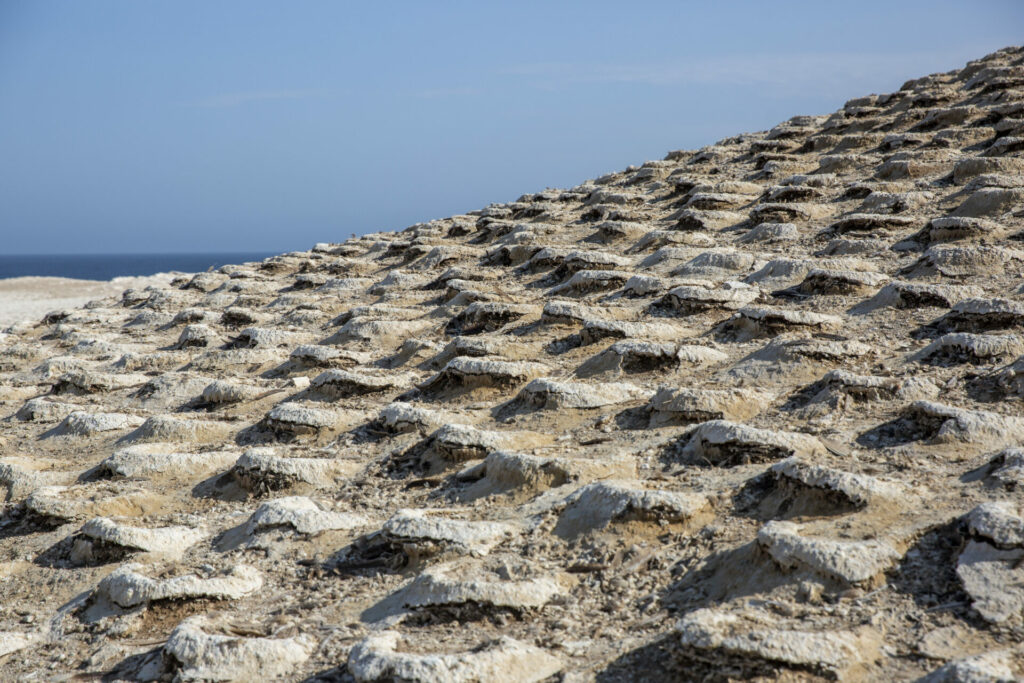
[[559, 346], [745, 570], [63, 555], [338, 674], [222, 486], [20, 522], [765, 497], [151, 665], [927, 572], [656, 662], [633, 418], [901, 430]]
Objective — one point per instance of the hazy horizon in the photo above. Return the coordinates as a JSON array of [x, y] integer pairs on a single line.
[[189, 127]]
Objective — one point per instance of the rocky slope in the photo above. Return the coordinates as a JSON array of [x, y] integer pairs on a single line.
[[748, 411]]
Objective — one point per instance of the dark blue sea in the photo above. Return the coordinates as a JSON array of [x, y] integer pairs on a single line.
[[108, 266]]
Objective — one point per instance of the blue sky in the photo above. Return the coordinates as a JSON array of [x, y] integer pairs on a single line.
[[198, 126]]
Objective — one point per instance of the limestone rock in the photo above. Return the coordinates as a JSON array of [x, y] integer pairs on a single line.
[[756, 636], [989, 667], [701, 405], [346, 383], [263, 468], [301, 514], [497, 584], [631, 357], [552, 394], [127, 587], [726, 444], [81, 423], [151, 459], [851, 562], [417, 527], [753, 322], [467, 373], [379, 657], [202, 656], [171, 540], [596, 506], [504, 471], [859, 489]]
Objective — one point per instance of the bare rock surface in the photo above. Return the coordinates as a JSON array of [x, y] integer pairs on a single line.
[[746, 412]]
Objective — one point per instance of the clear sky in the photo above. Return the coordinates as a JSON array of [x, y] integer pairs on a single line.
[[204, 126]]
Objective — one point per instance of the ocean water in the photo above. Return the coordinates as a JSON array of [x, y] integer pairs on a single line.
[[108, 266]]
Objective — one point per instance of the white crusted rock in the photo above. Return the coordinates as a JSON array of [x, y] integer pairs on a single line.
[[941, 424], [197, 335], [202, 656], [21, 476], [834, 281], [639, 356], [259, 468], [964, 347], [690, 299], [980, 314], [596, 330], [150, 459], [80, 502], [458, 443], [1001, 523], [301, 514], [504, 471], [470, 373], [1007, 467], [417, 527], [166, 428], [487, 316], [504, 582], [596, 506], [378, 657], [753, 322], [852, 562], [859, 489], [837, 387], [551, 394], [400, 417], [904, 295], [171, 540], [225, 392], [963, 261], [44, 410], [762, 638], [81, 423], [13, 641], [700, 405], [127, 587], [991, 576], [590, 281], [299, 420], [771, 232], [725, 444], [345, 383], [1000, 666]]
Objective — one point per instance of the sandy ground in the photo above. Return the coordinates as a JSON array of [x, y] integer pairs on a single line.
[[29, 298]]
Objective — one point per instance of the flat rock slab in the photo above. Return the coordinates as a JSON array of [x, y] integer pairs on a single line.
[[759, 638], [378, 657], [198, 655]]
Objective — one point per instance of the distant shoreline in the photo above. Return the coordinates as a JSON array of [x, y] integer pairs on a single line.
[[106, 267]]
